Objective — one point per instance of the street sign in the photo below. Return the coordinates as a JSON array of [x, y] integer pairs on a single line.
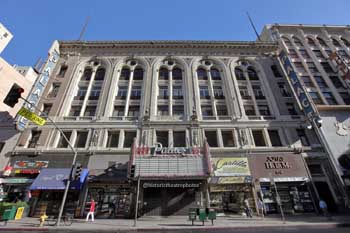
[[19, 213], [31, 116]]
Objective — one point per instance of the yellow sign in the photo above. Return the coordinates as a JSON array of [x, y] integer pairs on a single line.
[[231, 166], [31, 116], [231, 180], [19, 213]]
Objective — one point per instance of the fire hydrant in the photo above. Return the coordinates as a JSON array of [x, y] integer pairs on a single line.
[[43, 217]]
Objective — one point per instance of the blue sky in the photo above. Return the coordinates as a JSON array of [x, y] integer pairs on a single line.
[[36, 23]]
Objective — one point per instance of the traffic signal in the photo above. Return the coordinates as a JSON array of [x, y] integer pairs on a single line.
[[14, 94], [132, 171], [78, 168]]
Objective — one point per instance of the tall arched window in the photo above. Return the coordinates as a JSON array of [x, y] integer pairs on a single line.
[[346, 43], [321, 41], [297, 42], [311, 42], [252, 74], [177, 74], [202, 74], [138, 73], [125, 74], [215, 74], [87, 74], [239, 74], [336, 43], [163, 74], [100, 74]]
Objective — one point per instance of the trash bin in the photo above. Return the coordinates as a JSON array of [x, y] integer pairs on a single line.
[[202, 215], [9, 214], [212, 215], [192, 215]]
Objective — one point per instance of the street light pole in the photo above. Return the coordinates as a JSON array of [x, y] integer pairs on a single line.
[[73, 162]]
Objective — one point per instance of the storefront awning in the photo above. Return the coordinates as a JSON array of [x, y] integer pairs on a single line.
[[109, 175], [56, 178]]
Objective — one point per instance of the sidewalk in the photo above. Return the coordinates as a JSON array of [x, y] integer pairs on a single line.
[[180, 223]]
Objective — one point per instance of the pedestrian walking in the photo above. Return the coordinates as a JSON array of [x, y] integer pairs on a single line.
[[323, 206], [247, 209], [91, 211], [261, 207]]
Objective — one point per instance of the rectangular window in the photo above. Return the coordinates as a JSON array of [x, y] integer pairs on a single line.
[[221, 110], [315, 97], [163, 92], [276, 71], [122, 92], [2, 145], [134, 111], [329, 97], [46, 110], [291, 109], [304, 53], [124, 74], [90, 110], [81, 139], [258, 136], [264, 110], [62, 142], [243, 90], [75, 110], [259, 95], [302, 136], [336, 82], [275, 138], [54, 90], [204, 92], [163, 138], [177, 92], [346, 97], [318, 54], [307, 81], [300, 67], [113, 139], [163, 110], [327, 68], [293, 53], [95, 92], [81, 93], [227, 138], [63, 71], [33, 142], [249, 110], [218, 92], [320, 82], [118, 111], [284, 90], [135, 93], [178, 110], [206, 110], [129, 138], [211, 138], [312, 67], [179, 138]]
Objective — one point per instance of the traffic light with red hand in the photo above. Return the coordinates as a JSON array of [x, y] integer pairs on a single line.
[[14, 95]]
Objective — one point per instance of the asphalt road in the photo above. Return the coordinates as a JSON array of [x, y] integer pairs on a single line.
[[287, 229]]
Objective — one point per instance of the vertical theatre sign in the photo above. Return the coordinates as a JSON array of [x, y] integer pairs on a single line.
[[297, 86], [39, 86]]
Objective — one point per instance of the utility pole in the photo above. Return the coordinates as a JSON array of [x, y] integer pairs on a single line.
[[73, 162], [137, 199]]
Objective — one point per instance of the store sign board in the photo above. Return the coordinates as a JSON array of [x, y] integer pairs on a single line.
[[31, 164], [39, 85], [230, 167], [16, 181], [162, 184], [159, 150], [231, 180], [277, 166], [297, 86]]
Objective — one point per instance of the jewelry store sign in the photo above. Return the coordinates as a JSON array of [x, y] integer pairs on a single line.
[[230, 167]]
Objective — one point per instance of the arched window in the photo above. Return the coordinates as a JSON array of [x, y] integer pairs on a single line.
[[138, 73], [252, 74], [177, 74], [287, 41], [336, 43], [297, 42], [202, 74], [87, 74], [215, 74], [321, 41], [100, 74], [311, 42], [347, 44], [125, 73], [239, 74], [163, 74]]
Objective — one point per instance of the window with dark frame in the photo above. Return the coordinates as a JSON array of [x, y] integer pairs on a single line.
[[221, 110], [138, 74], [206, 110], [202, 74], [125, 74], [177, 74], [95, 92], [75, 110], [291, 109], [239, 74], [118, 110], [274, 137], [80, 141], [163, 138], [179, 138], [135, 93], [276, 72], [258, 93], [163, 110], [228, 138], [211, 138], [336, 82], [218, 92], [163, 74], [54, 90], [177, 92], [90, 110], [122, 92], [252, 74], [134, 111], [320, 82], [178, 110], [330, 98], [307, 81], [204, 92], [46, 110], [284, 90], [346, 97], [35, 135], [243, 90], [163, 92], [113, 139], [87, 74], [327, 67], [62, 71], [62, 142], [215, 74], [100, 74], [316, 98], [264, 110], [259, 139], [302, 136], [304, 53], [249, 110], [82, 90], [129, 138]]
